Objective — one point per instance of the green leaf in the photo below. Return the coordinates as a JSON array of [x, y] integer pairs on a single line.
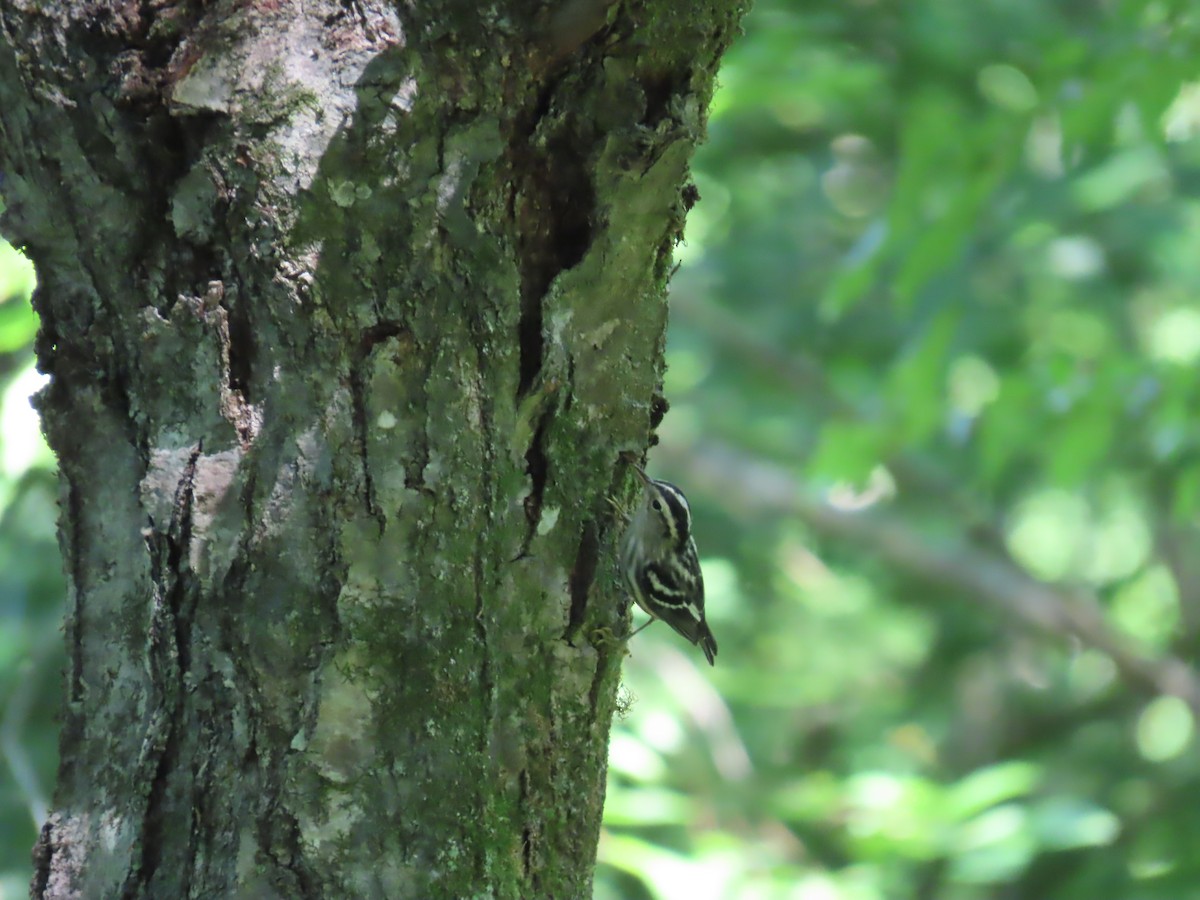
[[990, 786], [1066, 823], [642, 806], [17, 277], [846, 451], [18, 325], [917, 386], [995, 847]]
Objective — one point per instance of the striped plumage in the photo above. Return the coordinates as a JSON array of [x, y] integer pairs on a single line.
[[658, 559]]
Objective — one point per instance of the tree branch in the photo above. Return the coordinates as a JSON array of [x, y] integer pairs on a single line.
[[980, 576]]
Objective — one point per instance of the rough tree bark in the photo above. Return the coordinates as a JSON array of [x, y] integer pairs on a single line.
[[349, 308]]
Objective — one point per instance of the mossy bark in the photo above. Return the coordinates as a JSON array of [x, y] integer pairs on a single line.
[[349, 311]]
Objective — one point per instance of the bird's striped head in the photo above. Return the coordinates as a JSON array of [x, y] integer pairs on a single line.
[[665, 512]]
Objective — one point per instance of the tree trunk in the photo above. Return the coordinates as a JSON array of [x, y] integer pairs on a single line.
[[349, 311]]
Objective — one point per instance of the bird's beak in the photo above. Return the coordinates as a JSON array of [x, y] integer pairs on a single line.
[[640, 474]]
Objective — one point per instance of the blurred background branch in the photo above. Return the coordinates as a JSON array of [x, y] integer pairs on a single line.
[[759, 489]]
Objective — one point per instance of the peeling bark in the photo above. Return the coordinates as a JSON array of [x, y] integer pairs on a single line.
[[348, 311]]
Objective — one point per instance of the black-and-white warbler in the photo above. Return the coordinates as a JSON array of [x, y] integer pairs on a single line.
[[660, 565]]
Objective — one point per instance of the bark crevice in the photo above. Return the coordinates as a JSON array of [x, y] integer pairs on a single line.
[[174, 593], [554, 204], [583, 574], [359, 387]]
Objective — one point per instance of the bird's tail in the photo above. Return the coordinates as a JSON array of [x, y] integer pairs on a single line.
[[706, 642]]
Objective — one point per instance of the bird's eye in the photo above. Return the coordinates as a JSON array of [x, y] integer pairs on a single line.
[[657, 504]]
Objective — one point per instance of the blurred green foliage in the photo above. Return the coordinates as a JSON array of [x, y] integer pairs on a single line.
[[942, 280], [31, 587]]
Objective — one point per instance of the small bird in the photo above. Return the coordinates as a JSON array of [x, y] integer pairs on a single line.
[[660, 565]]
